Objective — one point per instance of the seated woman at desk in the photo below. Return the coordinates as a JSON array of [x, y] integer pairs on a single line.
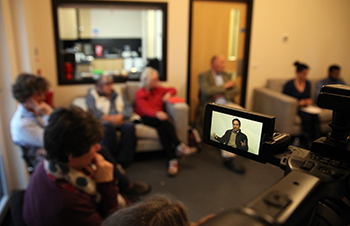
[[300, 88]]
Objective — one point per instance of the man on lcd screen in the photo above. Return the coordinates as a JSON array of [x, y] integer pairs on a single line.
[[234, 137]]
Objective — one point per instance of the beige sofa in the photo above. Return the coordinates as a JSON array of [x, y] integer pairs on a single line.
[[270, 100], [147, 137]]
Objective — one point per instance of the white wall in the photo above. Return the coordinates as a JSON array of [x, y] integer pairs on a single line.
[[111, 23], [318, 35]]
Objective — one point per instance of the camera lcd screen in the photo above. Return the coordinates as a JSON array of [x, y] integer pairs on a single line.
[[222, 123], [237, 130]]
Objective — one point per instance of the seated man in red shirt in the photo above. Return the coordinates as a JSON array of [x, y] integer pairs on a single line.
[[149, 104]]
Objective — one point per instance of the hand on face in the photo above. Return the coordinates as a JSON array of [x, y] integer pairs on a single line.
[[93, 164], [100, 169], [38, 106]]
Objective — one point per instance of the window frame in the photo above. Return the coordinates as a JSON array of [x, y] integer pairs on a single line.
[[59, 61], [4, 198]]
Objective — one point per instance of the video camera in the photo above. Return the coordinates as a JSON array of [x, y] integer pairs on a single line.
[[315, 188]]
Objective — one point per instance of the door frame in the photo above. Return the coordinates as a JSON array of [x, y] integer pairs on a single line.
[[246, 47]]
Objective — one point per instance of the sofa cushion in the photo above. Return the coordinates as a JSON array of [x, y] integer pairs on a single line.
[[146, 145], [277, 84], [80, 102], [266, 99], [145, 132], [130, 91], [148, 139]]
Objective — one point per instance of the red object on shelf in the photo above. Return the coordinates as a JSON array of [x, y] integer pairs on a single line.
[[68, 68], [49, 97], [98, 50]]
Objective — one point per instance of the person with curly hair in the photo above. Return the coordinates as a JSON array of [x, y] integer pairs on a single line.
[[156, 211], [31, 116], [30, 120], [74, 184]]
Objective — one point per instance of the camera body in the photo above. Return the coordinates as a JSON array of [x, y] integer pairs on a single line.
[[315, 188]]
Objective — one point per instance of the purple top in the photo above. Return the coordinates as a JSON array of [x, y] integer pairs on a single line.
[[49, 201]]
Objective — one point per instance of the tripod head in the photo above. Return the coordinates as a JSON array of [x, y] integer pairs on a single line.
[[337, 142]]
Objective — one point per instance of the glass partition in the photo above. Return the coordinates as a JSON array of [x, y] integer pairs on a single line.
[[233, 34], [95, 38]]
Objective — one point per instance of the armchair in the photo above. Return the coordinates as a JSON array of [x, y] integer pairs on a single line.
[[270, 100], [147, 137]]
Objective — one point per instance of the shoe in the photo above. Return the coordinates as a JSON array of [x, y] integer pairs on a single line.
[[133, 194], [139, 188], [173, 167], [124, 164], [120, 168], [184, 150], [233, 165]]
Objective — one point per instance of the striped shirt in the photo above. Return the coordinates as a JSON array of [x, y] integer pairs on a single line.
[[27, 129]]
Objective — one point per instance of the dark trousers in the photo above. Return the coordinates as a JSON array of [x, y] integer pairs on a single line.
[[166, 133], [311, 125], [124, 183], [124, 151]]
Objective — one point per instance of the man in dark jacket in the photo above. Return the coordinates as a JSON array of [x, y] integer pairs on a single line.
[[234, 137]]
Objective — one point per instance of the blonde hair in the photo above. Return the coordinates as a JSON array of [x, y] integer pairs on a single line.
[[145, 74]]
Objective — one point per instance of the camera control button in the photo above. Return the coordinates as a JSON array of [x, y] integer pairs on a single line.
[[324, 161], [326, 170], [295, 163], [308, 165], [277, 199]]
